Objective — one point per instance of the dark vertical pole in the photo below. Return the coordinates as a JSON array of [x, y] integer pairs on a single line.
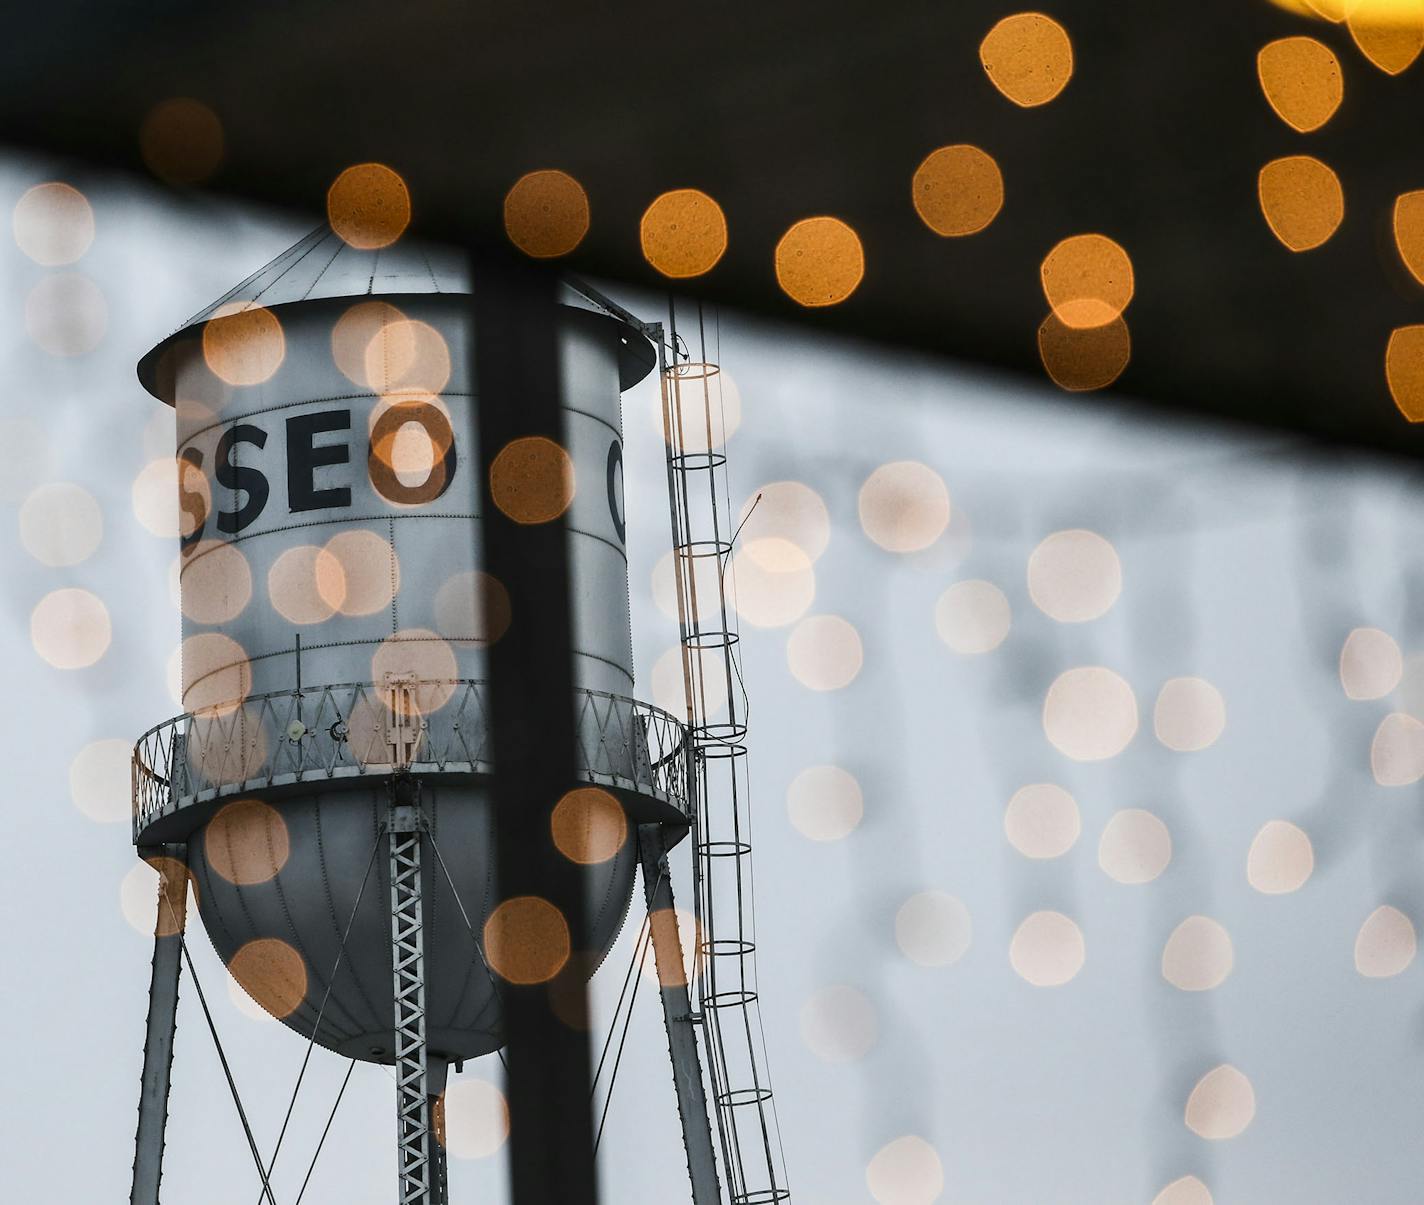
[[516, 376], [677, 1017], [162, 1024]]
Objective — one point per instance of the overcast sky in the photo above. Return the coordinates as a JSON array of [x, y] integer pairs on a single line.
[[913, 1058]]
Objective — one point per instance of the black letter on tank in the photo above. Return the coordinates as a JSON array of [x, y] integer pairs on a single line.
[[240, 477], [304, 458], [615, 481], [191, 503]]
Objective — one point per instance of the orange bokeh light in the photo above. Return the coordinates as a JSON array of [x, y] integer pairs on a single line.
[[368, 206], [546, 213]]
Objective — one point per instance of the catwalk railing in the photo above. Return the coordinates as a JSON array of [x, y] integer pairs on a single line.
[[704, 530], [335, 732]]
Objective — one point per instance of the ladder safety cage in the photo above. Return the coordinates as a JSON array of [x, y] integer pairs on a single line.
[[704, 529]]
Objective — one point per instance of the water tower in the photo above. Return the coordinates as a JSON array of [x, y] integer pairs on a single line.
[[324, 800]]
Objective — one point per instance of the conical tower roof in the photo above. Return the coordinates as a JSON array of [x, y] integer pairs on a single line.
[[324, 266]]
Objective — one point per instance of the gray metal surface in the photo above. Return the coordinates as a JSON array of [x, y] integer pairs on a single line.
[[260, 434], [678, 1020], [287, 464], [158, 1040], [280, 743]]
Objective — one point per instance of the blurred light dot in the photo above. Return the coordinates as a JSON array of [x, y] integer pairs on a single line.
[[1186, 1191], [1222, 1104], [25, 457], [1089, 714], [1334, 11], [181, 141], [404, 356], [671, 931], [957, 190], [217, 675], [160, 432], [973, 617], [1386, 944], [824, 803], [824, 652], [246, 842], [785, 510], [1074, 576], [70, 628], [838, 1024], [1047, 949], [357, 572], [99, 780], [1404, 371], [1280, 859], [1390, 33], [904, 506], [905, 1172], [216, 583], [1088, 280], [669, 691], [368, 205], [173, 675], [420, 654], [683, 233], [243, 343], [933, 929], [474, 1118], [1397, 751], [546, 214], [527, 940], [772, 582], [819, 261], [1080, 360], [61, 524], [292, 586], [1042, 821], [66, 314], [53, 224], [709, 414], [588, 826], [1135, 847], [413, 444], [532, 480], [1409, 231], [1190, 714], [139, 897], [245, 1004], [704, 595], [1371, 664], [1198, 956], [472, 608], [353, 334], [1028, 58], [272, 973], [1302, 81], [158, 497], [1302, 201]]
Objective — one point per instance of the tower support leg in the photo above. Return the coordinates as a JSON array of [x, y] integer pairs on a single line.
[[413, 1132], [162, 1024], [677, 1017]]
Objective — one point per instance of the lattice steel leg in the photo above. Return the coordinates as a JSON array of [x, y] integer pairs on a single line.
[[413, 1134], [162, 1024]]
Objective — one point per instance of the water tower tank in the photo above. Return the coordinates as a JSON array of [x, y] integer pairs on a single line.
[[336, 622]]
